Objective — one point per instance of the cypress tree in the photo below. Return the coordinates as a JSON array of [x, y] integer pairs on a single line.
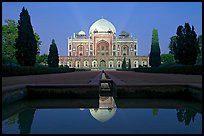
[[53, 58], [26, 44], [172, 45], [155, 58], [129, 64], [124, 64], [186, 49], [199, 48]]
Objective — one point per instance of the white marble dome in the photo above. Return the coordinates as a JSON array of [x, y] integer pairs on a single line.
[[103, 115], [102, 25], [81, 33]]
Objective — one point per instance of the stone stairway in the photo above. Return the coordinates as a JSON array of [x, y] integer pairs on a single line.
[[105, 88]]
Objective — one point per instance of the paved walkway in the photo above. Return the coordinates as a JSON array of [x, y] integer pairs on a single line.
[[136, 78], [62, 78], [128, 78]]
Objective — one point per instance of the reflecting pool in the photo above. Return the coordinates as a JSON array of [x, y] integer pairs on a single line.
[[141, 117]]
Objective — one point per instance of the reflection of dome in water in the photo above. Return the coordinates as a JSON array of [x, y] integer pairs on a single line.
[[103, 115]]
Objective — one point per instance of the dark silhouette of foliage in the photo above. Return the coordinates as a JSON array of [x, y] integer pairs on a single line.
[[129, 64], [53, 58], [154, 57], [25, 120], [26, 44], [124, 64], [199, 44], [185, 49], [43, 59], [172, 44], [167, 58], [186, 115], [9, 35], [37, 37]]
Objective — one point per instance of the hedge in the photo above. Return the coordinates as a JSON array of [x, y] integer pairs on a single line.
[[15, 70], [171, 69]]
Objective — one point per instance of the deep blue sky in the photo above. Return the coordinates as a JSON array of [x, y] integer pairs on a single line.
[[59, 20]]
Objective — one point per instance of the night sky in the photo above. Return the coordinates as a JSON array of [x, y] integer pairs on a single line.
[[59, 20]]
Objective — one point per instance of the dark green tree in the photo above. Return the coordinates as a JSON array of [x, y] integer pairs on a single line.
[[37, 37], [42, 59], [185, 50], [9, 34], [124, 64], [53, 58], [129, 64], [172, 44], [199, 57], [154, 57], [26, 44], [167, 58]]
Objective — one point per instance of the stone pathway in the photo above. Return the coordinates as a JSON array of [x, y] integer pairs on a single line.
[[136, 78], [62, 78], [87, 82], [121, 78]]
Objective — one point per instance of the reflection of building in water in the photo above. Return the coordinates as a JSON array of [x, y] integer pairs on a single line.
[[106, 110], [106, 102], [102, 49]]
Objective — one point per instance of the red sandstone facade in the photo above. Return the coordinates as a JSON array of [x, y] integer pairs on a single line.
[[102, 50]]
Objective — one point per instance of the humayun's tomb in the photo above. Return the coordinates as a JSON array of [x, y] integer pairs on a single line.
[[102, 49]]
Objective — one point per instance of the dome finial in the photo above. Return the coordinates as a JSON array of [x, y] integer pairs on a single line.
[[102, 17]]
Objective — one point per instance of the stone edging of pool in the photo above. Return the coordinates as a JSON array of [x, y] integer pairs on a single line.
[[91, 90], [14, 93], [159, 91], [155, 90]]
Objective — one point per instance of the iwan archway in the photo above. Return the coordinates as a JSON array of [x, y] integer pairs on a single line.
[[102, 64]]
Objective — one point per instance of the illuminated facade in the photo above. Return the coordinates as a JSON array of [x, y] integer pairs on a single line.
[[102, 49]]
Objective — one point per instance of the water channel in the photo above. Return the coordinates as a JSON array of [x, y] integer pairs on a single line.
[[105, 115], [140, 117]]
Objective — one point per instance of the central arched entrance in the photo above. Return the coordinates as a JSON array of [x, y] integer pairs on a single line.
[[102, 64], [102, 48]]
